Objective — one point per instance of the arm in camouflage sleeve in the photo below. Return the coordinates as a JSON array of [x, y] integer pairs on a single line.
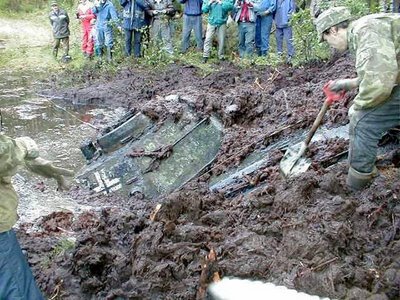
[[24, 151], [376, 66], [46, 169], [27, 152]]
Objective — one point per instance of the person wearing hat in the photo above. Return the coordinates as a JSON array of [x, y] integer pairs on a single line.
[[375, 42], [59, 21], [16, 279]]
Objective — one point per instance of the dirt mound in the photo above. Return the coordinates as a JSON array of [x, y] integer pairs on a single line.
[[308, 233]]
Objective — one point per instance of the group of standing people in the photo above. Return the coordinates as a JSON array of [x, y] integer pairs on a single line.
[[255, 21], [254, 18], [96, 18]]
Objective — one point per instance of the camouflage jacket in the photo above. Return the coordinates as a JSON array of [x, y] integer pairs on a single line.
[[375, 42], [60, 22], [13, 153]]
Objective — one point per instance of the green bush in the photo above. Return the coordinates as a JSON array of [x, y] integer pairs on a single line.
[[305, 38], [358, 8]]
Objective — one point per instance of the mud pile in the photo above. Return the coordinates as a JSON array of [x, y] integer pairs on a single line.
[[308, 233]]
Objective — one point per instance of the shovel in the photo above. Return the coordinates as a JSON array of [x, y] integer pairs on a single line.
[[293, 163]]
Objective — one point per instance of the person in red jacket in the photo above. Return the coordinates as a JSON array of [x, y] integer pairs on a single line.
[[85, 14]]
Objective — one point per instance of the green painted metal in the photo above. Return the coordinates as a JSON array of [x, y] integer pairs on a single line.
[[194, 145]]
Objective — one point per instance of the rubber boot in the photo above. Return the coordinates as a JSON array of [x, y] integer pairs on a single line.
[[98, 51], [109, 54], [357, 181]]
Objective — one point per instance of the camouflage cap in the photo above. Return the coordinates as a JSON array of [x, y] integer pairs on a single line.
[[53, 3], [331, 17]]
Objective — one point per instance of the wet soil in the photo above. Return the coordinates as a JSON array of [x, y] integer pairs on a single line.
[[310, 233]]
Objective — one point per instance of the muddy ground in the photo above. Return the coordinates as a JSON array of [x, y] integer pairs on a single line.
[[310, 233]]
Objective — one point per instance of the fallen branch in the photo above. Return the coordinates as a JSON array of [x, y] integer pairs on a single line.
[[65, 231], [257, 82], [209, 274], [274, 76], [153, 215], [56, 290], [293, 224], [324, 263]]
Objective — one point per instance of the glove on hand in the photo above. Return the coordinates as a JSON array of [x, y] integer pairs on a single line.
[[341, 85], [46, 169]]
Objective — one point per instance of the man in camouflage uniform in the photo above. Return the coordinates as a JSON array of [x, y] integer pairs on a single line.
[[16, 279], [162, 11], [375, 41]]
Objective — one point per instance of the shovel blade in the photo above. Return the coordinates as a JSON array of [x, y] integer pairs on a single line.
[[292, 163]]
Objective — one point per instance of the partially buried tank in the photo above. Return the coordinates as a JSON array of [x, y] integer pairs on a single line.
[[150, 158]]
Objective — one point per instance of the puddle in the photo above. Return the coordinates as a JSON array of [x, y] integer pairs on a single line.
[[58, 131]]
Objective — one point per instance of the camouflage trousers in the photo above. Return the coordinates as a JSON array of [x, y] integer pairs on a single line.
[[366, 129], [65, 43], [161, 30]]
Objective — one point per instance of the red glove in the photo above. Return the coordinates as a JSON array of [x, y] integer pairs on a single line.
[[332, 96]]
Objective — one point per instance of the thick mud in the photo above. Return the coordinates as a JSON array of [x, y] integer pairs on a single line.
[[310, 233]]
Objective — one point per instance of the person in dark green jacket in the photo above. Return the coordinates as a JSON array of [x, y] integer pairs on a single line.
[[59, 21], [217, 16]]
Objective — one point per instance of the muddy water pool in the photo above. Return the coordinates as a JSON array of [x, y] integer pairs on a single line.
[[58, 131]]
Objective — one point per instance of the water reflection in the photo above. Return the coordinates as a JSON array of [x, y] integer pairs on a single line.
[[58, 131]]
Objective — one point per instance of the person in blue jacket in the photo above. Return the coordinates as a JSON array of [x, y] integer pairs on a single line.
[[283, 13], [105, 14], [192, 20], [264, 11], [133, 24]]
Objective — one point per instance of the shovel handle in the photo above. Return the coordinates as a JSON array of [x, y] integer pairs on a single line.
[[317, 121]]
